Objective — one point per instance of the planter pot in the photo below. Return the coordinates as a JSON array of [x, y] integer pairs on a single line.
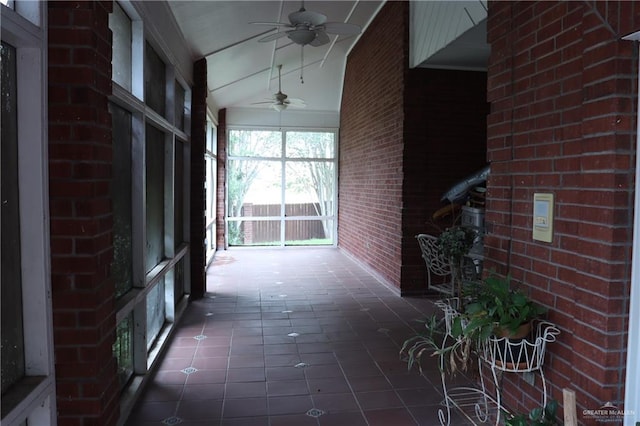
[[512, 351], [520, 333]]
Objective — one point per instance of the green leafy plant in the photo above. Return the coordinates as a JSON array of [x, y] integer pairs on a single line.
[[497, 306], [455, 242], [485, 308], [540, 416]]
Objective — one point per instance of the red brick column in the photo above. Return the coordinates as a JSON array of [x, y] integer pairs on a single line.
[[222, 179], [81, 217], [198, 196]]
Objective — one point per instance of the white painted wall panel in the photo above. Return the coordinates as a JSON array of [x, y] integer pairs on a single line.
[[436, 24]]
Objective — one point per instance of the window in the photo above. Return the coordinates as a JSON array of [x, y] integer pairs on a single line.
[[211, 163], [281, 187], [151, 170], [28, 386]]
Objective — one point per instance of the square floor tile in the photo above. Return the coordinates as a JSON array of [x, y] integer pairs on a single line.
[[245, 407], [299, 404], [287, 387]]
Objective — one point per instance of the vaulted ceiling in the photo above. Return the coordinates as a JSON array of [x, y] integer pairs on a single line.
[[243, 71]]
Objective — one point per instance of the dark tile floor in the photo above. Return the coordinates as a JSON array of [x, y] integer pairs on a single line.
[[292, 337]]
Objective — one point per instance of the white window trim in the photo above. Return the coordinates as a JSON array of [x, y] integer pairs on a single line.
[[632, 386]]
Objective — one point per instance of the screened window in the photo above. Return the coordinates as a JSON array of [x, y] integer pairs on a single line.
[[11, 295], [154, 172], [150, 174], [154, 80], [122, 264], [120, 25], [28, 379], [281, 187], [210, 157]]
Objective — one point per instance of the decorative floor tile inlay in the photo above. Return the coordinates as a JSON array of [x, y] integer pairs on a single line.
[[364, 309], [283, 295], [315, 412], [287, 312], [293, 334], [189, 370], [200, 337], [172, 420], [301, 365], [208, 314], [383, 330]]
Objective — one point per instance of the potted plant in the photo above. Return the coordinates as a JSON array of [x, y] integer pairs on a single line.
[[489, 309], [455, 243], [498, 309]]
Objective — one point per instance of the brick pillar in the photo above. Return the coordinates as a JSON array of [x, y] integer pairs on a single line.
[[198, 145], [80, 206], [221, 170]]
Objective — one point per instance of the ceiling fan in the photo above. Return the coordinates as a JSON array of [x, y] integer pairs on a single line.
[[280, 101], [309, 27]]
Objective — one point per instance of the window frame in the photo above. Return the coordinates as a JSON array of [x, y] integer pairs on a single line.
[[25, 29], [283, 159], [133, 304]]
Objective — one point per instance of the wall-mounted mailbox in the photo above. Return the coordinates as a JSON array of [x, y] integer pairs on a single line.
[[543, 217]]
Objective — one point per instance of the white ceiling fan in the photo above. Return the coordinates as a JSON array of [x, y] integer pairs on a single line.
[[309, 27], [280, 101]]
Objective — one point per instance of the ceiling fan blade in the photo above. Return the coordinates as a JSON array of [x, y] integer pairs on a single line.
[[296, 102], [342, 28], [274, 36], [321, 38], [273, 24], [307, 17]]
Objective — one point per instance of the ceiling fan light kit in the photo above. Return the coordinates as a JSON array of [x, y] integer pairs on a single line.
[[309, 27], [280, 101], [302, 37]]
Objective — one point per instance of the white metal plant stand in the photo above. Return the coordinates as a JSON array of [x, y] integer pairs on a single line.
[[498, 354]]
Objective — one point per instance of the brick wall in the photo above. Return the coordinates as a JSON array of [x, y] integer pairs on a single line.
[[562, 87], [406, 136], [198, 146], [80, 206], [371, 133]]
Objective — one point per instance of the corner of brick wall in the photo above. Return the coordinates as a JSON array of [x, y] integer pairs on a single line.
[[81, 226]]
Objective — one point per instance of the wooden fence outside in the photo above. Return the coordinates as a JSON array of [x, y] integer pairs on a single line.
[[268, 231]]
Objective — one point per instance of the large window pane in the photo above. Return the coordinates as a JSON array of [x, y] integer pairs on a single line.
[[312, 183], [178, 281], [154, 173], [154, 80], [155, 312], [13, 368], [308, 232], [179, 106], [122, 265], [178, 214], [254, 232], [254, 188], [255, 143], [123, 349], [310, 144], [120, 26]]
